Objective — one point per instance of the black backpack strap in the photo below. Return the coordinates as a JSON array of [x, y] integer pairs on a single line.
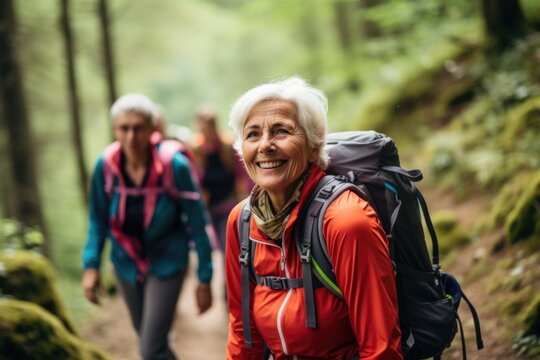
[[431, 229], [476, 319], [462, 336], [413, 175], [243, 232], [310, 241]]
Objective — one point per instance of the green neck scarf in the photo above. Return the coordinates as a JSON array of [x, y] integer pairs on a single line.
[[267, 220]]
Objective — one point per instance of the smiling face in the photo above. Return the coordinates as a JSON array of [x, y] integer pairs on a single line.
[[133, 132], [275, 148]]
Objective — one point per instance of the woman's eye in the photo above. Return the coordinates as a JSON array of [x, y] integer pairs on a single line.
[[252, 134], [280, 132]]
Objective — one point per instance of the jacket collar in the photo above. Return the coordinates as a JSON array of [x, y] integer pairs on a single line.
[[316, 173]]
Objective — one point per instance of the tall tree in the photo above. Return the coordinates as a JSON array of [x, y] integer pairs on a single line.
[[343, 14], [108, 59], [76, 133], [503, 21], [368, 27], [20, 145], [7, 197]]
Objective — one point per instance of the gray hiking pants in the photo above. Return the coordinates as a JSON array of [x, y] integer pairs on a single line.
[[152, 306]]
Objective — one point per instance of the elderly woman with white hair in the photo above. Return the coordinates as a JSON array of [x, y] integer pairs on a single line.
[[281, 132], [149, 228]]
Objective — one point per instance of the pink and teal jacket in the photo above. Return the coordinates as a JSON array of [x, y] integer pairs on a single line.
[[166, 237]]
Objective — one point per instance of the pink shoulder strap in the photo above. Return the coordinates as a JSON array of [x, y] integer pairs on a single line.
[[110, 166], [167, 150]]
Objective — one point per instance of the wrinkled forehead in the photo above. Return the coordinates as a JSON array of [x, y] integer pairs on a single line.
[[272, 110]]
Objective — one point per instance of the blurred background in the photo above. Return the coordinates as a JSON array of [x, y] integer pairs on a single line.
[[455, 83]]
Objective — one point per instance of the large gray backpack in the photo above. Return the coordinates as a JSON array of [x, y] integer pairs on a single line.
[[367, 163]]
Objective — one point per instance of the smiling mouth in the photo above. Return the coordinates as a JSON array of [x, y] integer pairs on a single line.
[[271, 164]]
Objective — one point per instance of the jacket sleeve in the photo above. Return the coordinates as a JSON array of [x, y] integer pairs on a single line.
[[196, 215], [98, 219], [236, 348], [358, 250]]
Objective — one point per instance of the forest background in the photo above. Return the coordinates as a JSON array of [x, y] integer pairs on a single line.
[[457, 84]]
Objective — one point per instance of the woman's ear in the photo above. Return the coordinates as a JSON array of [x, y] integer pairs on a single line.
[[313, 154]]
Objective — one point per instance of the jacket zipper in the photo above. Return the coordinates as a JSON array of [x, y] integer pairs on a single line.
[[289, 292], [284, 303]]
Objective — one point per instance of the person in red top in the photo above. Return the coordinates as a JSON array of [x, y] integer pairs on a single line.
[[281, 131]]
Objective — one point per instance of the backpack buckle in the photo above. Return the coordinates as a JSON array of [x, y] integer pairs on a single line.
[[326, 192], [244, 257], [275, 282], [306, 254], [348, 177]]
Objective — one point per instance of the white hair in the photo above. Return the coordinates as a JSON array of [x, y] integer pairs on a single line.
[[311, 106], [136, 103]]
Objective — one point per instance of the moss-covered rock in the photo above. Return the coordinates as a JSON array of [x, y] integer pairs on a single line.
[[449, 233], [29, 332], [504, 199], [27, 275], [531, 318], [521, 120], [524, 220], [455, 95]]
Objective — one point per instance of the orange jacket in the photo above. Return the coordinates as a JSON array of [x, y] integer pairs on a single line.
[[364, 324]]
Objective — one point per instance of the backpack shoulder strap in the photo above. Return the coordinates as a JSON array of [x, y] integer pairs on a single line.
[[247, 271], [109, 167], [243, 233], [166, 152], [310, 241]]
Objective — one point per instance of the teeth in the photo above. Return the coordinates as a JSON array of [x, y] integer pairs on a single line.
[[270, 164]]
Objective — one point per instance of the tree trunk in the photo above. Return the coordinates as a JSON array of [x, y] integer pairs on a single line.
[[347, 38], [343, 10], [8, 209], [27, 207], [108, 59], [76, 135], [503, 21], [368, 27]]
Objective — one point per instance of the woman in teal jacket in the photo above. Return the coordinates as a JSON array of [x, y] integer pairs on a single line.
[[149, 206]]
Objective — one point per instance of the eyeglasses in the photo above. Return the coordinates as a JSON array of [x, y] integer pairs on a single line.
[[135, 128]]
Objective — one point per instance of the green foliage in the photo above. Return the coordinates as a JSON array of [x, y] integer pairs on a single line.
[[528, 343], [33, 333], [501, 126], [27, 275]]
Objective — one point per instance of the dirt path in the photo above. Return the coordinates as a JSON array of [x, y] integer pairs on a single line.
[[194, 337]]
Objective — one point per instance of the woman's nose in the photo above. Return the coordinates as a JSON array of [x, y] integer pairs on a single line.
[[267, 143]]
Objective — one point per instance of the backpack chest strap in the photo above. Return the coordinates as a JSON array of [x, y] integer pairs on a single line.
[[279, 283]]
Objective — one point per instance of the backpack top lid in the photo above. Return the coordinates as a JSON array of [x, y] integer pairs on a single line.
[[365, 150]]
